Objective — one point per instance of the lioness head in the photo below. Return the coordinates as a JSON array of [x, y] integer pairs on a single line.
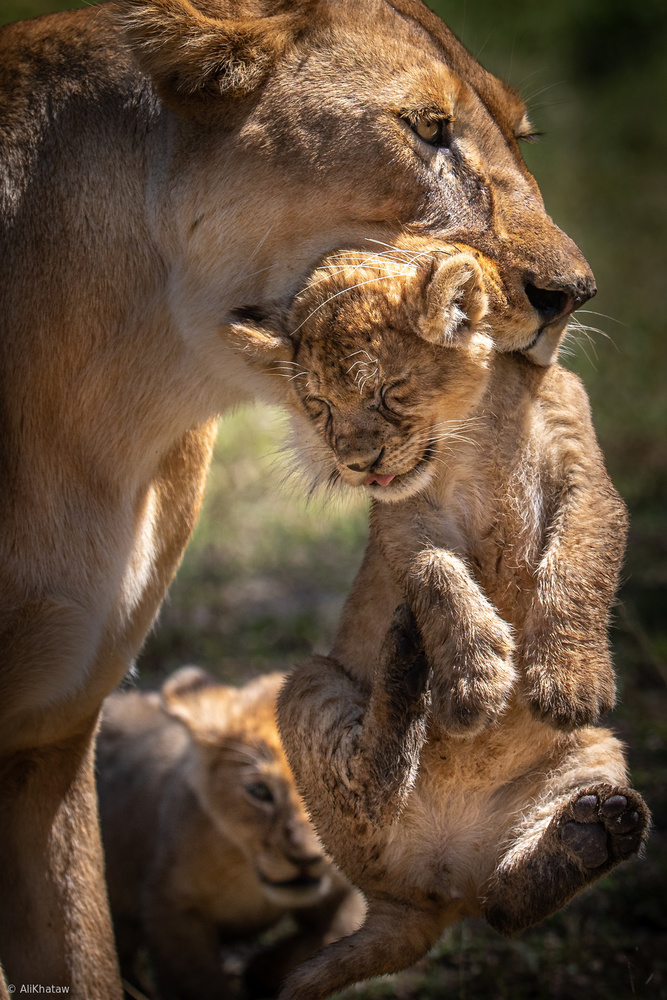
[[243, 781], [289, 128], [385, 357]]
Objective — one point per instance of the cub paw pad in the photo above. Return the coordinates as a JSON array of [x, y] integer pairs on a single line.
[[585, 809], [613, 806], [596, 827], [588, 841]]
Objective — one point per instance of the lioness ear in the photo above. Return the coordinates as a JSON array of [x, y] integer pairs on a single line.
[[193, 56], [455, 301]]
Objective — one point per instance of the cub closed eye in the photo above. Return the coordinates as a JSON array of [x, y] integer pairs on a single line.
[[317, 407], [394, 396], [260, 791]]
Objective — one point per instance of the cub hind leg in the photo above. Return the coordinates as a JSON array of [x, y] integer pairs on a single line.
[[584, 825], [355, 753]]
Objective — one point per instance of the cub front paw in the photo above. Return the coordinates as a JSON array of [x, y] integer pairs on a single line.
[[472, 682], [567, 696]]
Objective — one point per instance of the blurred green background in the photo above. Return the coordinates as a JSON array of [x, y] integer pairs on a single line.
[[264, 578]]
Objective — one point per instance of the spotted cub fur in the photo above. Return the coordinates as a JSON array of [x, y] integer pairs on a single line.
[[493, 517]]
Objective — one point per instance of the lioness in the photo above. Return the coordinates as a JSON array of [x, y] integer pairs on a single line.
[[162, 164], [205, 837], [494, 517]]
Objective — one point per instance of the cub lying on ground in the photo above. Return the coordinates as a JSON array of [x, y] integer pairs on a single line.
[[501, 528], [206, 839]]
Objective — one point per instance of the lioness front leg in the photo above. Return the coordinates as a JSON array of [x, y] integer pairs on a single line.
[[54, 920], [355, 753]]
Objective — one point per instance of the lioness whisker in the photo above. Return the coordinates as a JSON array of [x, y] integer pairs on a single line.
[[592, 312], [261, 242], [571, 337], [578, 325], [371, 261]]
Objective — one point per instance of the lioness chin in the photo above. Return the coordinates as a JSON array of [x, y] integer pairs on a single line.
[[163, 164], [452, 768]]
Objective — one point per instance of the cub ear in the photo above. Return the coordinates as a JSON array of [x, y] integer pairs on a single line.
[[455, 301], [194, 56], [260, 339], [186, 696]]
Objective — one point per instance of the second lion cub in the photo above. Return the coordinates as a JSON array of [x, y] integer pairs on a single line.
[[206, 839], [494, 518]]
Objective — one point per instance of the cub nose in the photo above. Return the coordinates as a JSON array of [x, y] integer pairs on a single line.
[[555, 302], [366, 464]]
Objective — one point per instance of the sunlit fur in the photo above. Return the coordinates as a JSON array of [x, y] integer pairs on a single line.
[[447, 784], [162, 164], [500, 515], [191, 853]]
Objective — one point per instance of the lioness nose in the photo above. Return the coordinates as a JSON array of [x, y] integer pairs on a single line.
[[366, 465], [556, 302]]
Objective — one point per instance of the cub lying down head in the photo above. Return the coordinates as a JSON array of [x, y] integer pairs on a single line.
[[206, 838], [493, 517]]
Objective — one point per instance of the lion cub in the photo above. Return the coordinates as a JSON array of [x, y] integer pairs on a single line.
[[205, 836], [493, 516]]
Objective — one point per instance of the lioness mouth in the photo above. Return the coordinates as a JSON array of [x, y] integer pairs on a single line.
[[302, 882]]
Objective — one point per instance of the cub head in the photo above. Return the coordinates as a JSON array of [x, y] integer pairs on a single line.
[[386, 356], [243, 781]]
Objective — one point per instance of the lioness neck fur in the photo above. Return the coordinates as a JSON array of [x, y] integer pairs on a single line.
[[162, 164], [493, 516], [205, 836]]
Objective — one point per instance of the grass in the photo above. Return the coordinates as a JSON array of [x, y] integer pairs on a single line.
[[266, 573]]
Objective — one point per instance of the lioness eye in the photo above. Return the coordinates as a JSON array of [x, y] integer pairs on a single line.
[[431, 130], [259, 790]]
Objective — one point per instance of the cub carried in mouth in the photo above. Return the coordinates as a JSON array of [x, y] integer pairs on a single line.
[[493, 517], [492, 513]]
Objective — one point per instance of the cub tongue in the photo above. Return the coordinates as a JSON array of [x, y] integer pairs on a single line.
[[380, 480]]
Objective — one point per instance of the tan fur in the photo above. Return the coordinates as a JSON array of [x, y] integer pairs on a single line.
[[502, 531], [205, 836], [163, 164]]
